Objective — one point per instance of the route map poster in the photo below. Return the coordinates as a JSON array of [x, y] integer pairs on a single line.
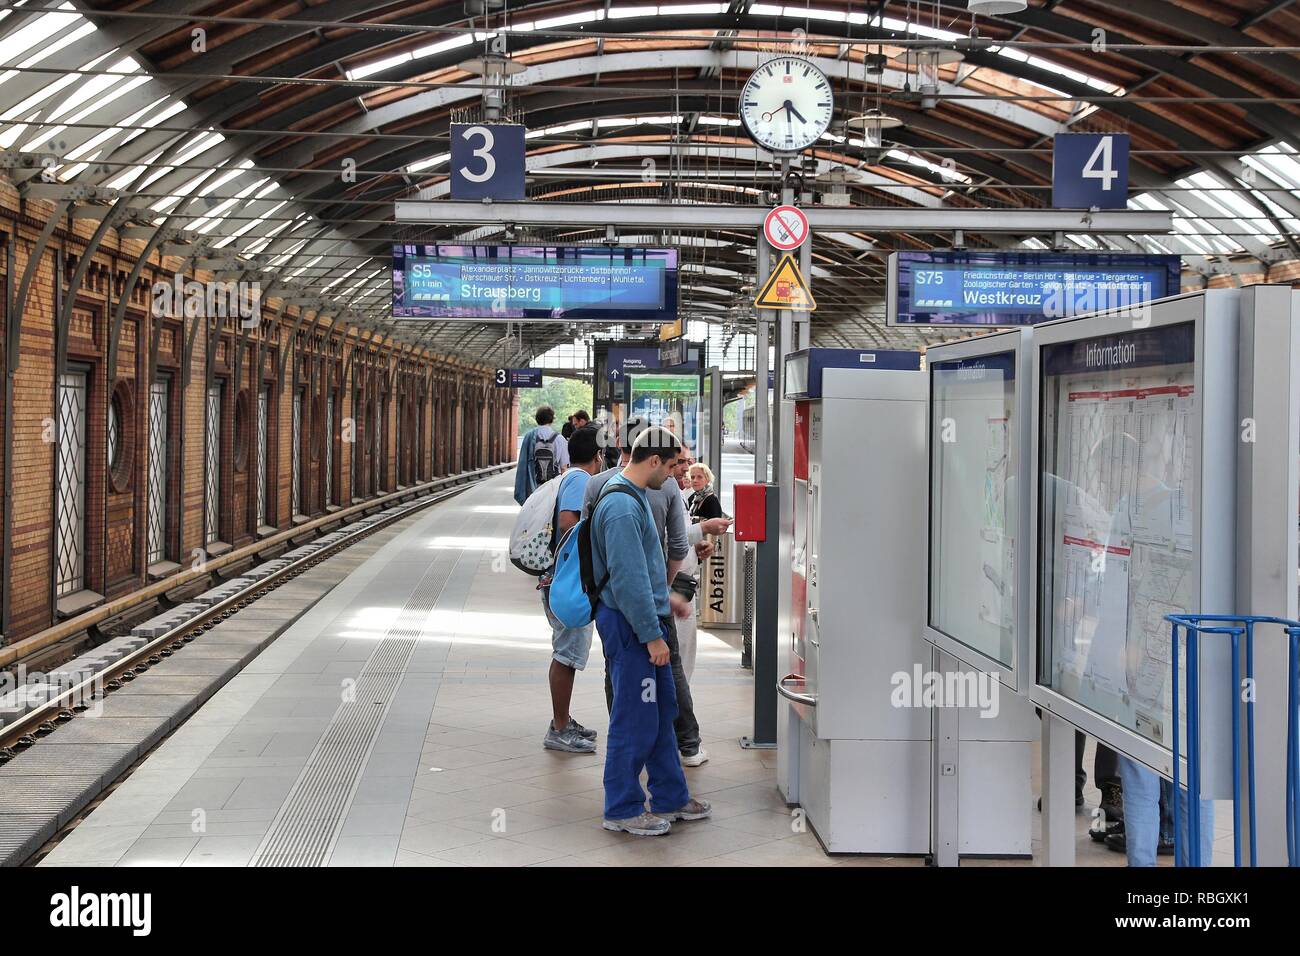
[[1119, 465]]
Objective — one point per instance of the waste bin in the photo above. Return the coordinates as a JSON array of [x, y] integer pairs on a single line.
[[721, 594]]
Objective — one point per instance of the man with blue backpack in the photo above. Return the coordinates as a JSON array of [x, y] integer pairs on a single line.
[[542, 456], [632, 617], [570, 646]]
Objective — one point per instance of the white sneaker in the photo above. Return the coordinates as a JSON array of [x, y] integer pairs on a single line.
[[695, 759]]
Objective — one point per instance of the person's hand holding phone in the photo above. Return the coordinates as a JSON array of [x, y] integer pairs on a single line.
[[715, 525]]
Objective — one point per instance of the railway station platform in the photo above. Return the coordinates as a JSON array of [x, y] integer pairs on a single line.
[[398, 722]]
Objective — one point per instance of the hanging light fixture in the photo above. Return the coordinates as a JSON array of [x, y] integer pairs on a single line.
[[872, 123], [993, 8], [495, 66], [925, 61]]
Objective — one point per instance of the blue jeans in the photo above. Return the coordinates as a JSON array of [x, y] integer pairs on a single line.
[[1148, 814], [640, 725]]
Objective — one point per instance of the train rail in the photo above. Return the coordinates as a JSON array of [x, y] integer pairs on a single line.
[[364, 519]]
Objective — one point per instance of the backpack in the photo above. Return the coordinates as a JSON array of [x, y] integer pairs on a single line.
[[574, 589], [544, 464], [532, 542]]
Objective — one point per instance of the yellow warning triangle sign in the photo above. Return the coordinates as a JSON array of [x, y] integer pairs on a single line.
[[786, 289]]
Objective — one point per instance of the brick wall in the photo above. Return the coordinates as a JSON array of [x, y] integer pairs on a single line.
[[191, 357]]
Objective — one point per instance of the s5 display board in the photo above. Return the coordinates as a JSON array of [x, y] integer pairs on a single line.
[[508, 283]]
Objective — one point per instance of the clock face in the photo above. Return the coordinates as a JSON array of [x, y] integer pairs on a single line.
[[786, 105]]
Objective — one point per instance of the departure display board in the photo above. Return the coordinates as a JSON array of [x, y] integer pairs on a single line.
[[504, 283], [1021, 288], [973, 523], [1119, 455]]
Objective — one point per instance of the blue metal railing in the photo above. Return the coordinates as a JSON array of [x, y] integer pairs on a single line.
[[1194, 626]]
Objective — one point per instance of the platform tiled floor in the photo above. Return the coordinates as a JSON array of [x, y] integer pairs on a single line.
[[457, 775]]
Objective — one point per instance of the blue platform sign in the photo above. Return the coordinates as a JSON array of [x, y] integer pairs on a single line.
[[487, 161], [1090, 170], [622, 362], [518, 378], [985, 289]]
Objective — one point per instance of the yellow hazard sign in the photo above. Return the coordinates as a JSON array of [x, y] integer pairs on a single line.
[[786, 289]]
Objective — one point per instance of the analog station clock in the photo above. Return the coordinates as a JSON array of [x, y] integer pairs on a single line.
[[786, 105]]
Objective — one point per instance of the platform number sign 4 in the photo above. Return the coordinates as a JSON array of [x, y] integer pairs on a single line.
[[1090, 170], [487, 161]]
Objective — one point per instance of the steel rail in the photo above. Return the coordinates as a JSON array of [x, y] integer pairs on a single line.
[[43, 720], [12, 653]]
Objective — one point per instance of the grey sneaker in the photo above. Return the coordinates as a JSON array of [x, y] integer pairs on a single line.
[[579, 729], [693, 810], [568, 740], [647, 824]]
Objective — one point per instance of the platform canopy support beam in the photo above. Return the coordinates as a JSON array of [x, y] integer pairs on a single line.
[[750, 217]]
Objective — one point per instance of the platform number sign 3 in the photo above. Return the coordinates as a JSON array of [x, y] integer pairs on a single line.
[[502, 376], [1090, 170], [487, 161]]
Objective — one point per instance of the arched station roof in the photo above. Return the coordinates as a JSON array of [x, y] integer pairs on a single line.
[[272, 138]]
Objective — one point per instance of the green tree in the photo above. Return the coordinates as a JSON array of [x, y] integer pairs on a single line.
[[565, 395], [731, 415]]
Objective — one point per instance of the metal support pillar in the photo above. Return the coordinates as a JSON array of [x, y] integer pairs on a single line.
[[788, 721], [762, 342], [945, 772], [766, 634], [1268, 485], [1058, 790]]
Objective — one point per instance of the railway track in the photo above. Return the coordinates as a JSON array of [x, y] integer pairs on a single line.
[[363, 520]]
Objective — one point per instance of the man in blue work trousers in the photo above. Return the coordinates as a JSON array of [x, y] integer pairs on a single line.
[[632, 620]]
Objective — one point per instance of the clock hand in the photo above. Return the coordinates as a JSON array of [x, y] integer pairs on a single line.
[[791, 111]]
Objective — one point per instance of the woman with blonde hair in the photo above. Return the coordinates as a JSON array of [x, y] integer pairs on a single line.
[[703, 502]]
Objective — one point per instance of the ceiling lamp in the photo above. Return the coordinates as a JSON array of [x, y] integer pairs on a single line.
[[992, 8], [926, 61], [494, 67], [871, 123], [491, 65]]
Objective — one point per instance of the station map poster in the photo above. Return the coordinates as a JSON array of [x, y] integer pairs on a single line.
[[1118, 480], [506, 283], [983, 289], [973, 529]]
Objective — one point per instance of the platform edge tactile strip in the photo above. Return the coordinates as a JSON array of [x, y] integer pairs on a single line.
[[308, 824]]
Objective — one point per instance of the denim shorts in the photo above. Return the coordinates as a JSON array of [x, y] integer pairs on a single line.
[[571, 646]]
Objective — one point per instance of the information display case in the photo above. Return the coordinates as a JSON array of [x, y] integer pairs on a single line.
[[709, 448], [672, 401], [1135, 451], [979, 518]]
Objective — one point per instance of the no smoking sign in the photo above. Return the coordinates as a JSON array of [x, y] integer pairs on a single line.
[[785, 228]]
